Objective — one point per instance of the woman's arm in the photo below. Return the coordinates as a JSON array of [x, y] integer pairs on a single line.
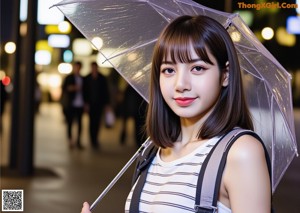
[[246, 177]]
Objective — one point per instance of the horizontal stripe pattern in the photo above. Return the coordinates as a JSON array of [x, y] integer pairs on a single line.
[[171, 186]]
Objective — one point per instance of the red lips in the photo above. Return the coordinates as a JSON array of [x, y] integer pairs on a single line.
[[184, 101]]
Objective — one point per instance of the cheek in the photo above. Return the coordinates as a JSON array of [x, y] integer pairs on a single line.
[[210, 86]]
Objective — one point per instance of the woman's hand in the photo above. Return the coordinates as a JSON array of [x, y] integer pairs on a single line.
[[86, 208]]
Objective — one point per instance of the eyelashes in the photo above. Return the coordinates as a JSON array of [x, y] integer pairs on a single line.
[[195, 69]]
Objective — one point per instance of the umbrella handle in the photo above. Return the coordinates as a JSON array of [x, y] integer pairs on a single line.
[[119, 175]]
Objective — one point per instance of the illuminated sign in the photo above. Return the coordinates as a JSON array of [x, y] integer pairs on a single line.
[[49, 16], [293, 24], [59, 41]]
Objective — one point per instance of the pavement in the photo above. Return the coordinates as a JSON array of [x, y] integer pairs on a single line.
[[65, 178]]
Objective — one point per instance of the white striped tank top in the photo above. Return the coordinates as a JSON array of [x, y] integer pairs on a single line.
[[171, 186]]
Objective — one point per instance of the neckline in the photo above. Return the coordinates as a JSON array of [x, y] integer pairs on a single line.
[[186, 157]]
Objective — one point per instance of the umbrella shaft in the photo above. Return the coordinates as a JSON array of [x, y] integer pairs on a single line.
[[119, 175]]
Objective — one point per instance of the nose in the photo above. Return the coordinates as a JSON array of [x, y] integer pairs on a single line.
[[183, 81]]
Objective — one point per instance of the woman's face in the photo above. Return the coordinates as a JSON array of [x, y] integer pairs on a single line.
[[191, 89]]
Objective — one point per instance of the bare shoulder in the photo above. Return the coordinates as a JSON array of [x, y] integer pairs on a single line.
[[246, 158], [246, 148], [246, 179]]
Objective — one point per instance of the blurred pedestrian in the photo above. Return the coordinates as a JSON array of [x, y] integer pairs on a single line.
[[73, 103], [97, 99], [133, 106]]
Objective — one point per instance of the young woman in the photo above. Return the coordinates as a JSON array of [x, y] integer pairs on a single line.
[[196, 97]]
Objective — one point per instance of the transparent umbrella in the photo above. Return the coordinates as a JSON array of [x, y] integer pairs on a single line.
[[128, 30]]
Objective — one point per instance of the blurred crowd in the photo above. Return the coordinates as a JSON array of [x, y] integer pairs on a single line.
[[91, 94]]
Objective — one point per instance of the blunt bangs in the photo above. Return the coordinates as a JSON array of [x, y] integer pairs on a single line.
[[177, 43]]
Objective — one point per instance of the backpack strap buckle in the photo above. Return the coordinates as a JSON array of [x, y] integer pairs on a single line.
[[205, 209]]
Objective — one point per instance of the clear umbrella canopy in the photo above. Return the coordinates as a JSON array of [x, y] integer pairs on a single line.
[[128, 29]]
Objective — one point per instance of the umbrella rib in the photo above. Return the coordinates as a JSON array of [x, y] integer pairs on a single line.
[[130, 49], [247, 70], [182, 9]]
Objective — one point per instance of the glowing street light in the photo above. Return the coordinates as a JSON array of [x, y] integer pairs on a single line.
[[64, 27], [267, 33], [10, 47]]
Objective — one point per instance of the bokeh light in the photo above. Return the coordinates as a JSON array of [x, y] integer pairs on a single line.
[[10, 47], [97, 43], [267, 33], [2, 74], [64, 27], [284, 38], [65, 68], [68, 56], [42, 57], [6, 80], [82, 47]]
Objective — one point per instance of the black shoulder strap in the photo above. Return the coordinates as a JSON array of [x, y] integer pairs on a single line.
[[140, 174], [210, 176], [145, 157]]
